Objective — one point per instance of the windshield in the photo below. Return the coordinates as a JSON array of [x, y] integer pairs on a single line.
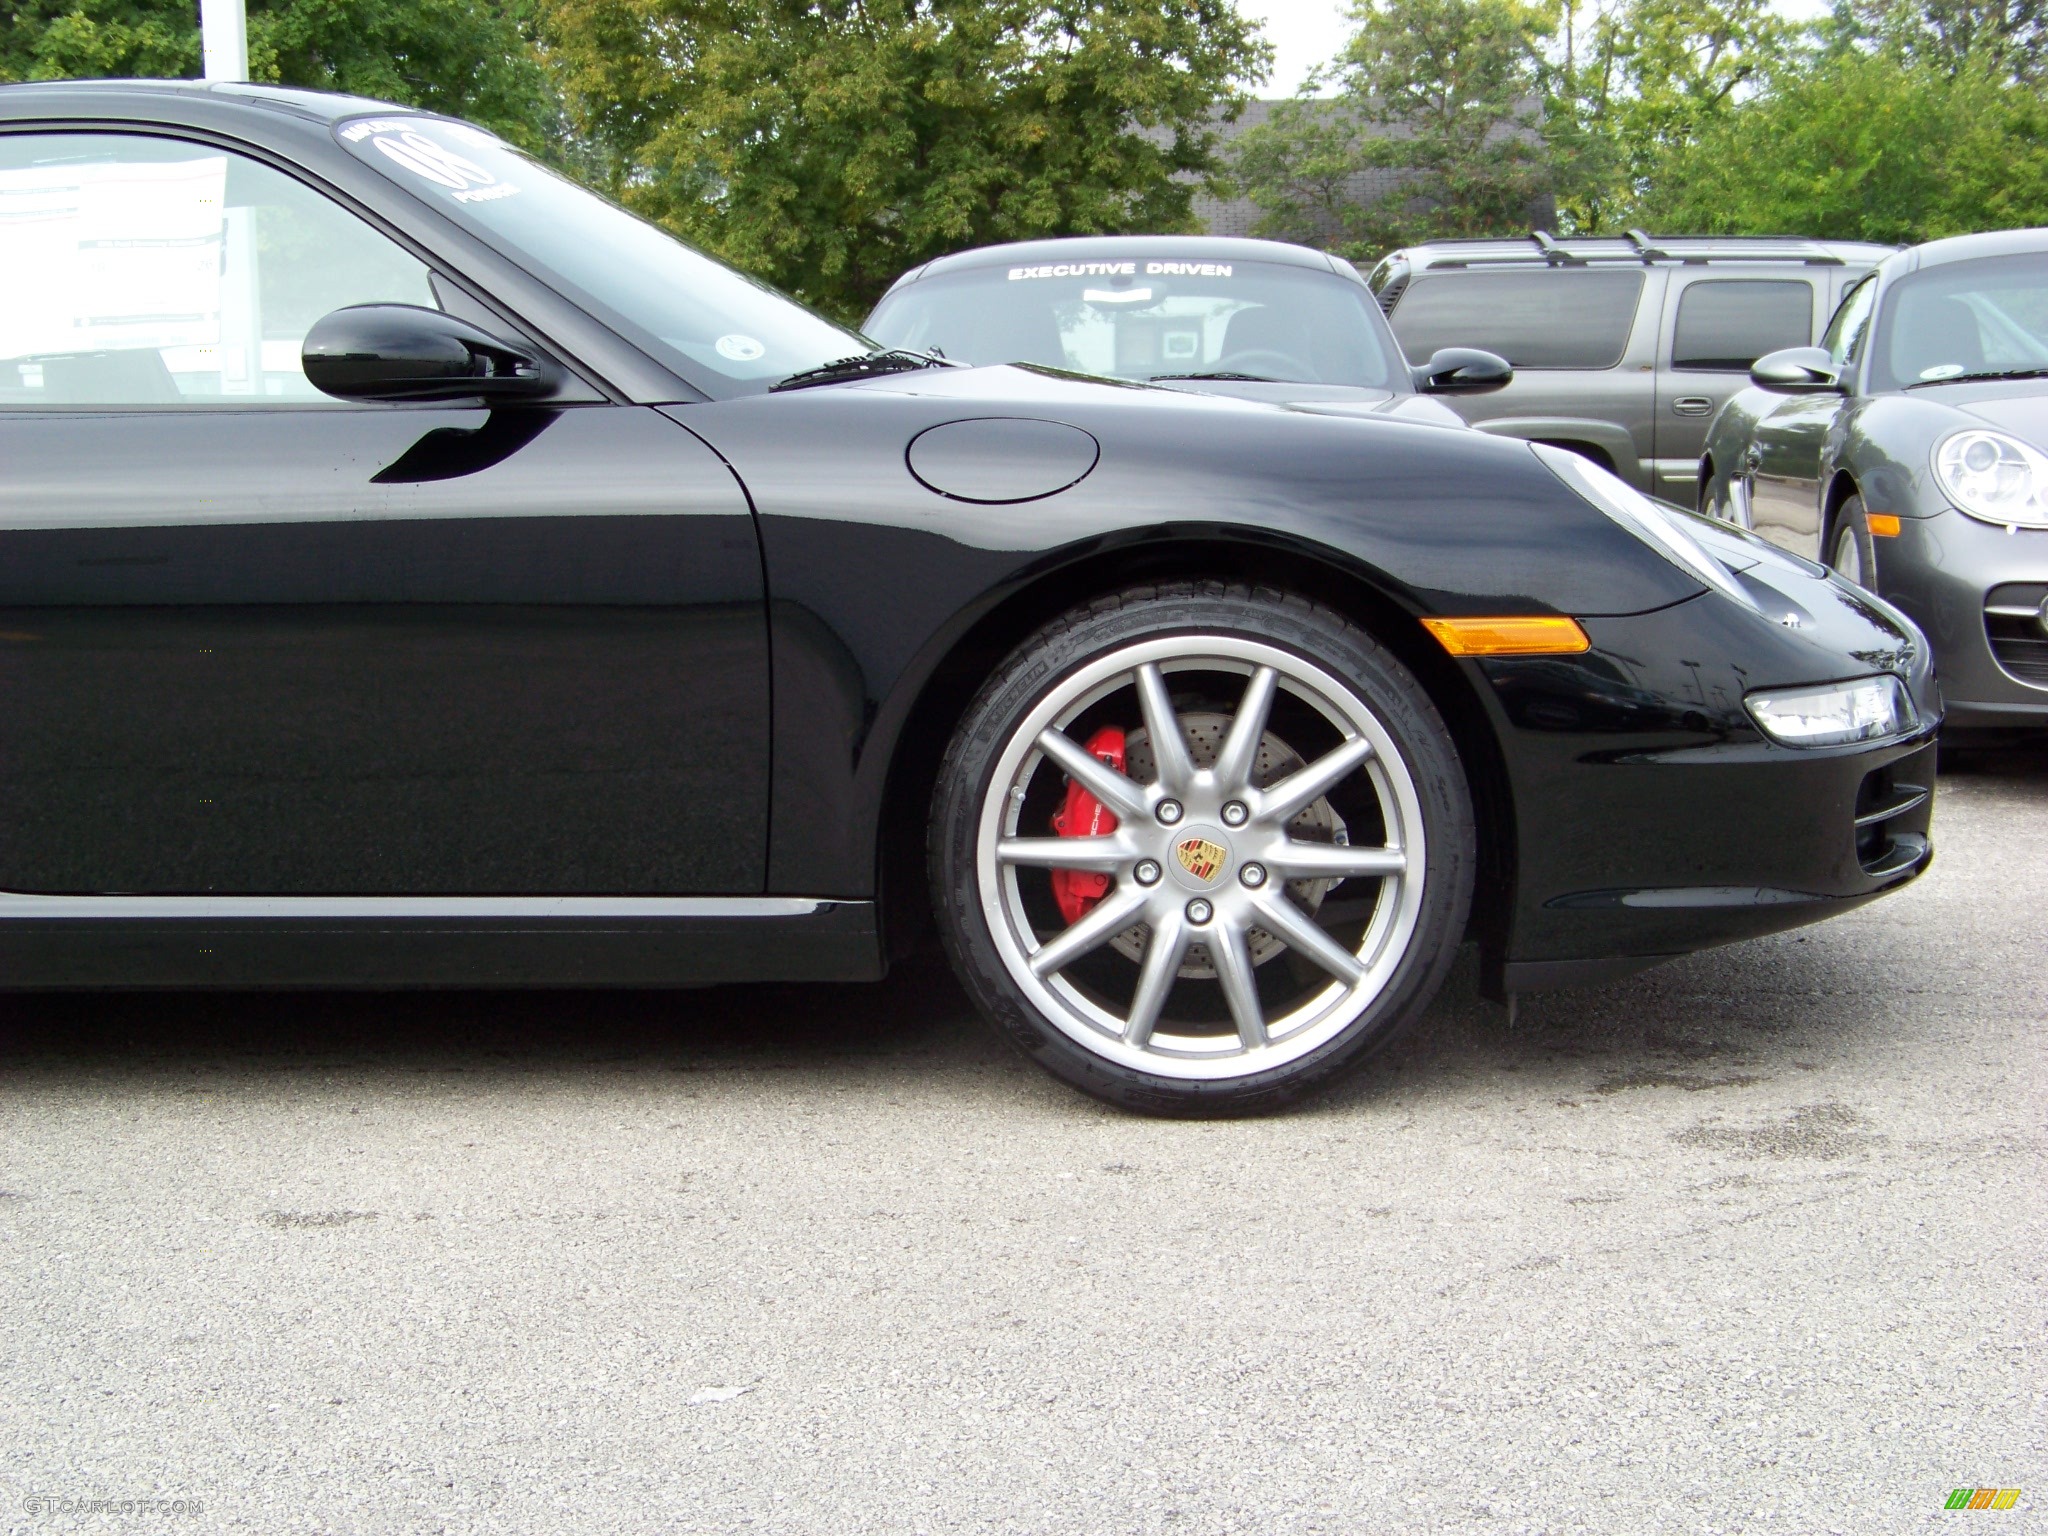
[[1149, 317], [695, 315], [1964, 318]]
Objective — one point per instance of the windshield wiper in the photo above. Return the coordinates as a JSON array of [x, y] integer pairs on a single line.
[[867, 365], [1978, 378], [1222, 375]]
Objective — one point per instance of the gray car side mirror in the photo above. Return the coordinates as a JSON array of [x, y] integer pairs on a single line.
[[1797, 371], [1462, 371], [406, 352]]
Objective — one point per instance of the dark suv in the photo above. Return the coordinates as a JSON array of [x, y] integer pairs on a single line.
[[1622, 348]]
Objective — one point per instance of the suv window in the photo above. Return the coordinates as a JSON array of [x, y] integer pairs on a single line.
[[147, 271], [1844, 337], [1548, 319], [1724, 326]]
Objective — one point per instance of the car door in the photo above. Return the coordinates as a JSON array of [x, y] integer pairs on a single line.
[[257, 641], [1714, 327], [1782, 464]]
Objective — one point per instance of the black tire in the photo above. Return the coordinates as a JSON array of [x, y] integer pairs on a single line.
[[1329, 648], [1852, 554]]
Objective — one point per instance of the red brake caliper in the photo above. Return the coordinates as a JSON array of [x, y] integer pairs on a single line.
[[1076, 890]]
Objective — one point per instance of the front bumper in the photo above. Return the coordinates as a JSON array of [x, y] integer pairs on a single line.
[[1948, 573], [1654, 819]]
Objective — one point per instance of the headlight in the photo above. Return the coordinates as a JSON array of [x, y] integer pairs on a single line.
[[1662, 531], [1995, 478], [1835, 714]]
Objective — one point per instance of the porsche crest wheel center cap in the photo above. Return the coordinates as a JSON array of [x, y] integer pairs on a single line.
[[1199, 857]]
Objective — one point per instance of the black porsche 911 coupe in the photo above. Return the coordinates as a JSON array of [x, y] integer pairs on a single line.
[[1253, 319], [415, 570]]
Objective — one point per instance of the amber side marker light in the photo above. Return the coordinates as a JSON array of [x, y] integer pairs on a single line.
[[1883, 525], [1515, 635]]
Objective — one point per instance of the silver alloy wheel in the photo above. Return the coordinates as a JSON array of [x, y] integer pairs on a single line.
[[1197, 854]]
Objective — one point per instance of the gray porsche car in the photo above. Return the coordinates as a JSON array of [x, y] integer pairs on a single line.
[[1910, 452]]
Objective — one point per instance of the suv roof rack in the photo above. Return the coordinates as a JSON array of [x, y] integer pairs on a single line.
[[1633, 247], [1647, 251]]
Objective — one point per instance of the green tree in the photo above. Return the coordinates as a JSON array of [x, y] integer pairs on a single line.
[[2005, 39], [1865, 144], [470, 58], [1637, 80], [1443, 94], [828, 145]]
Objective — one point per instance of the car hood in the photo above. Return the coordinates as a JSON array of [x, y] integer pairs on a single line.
[[2018, 406]]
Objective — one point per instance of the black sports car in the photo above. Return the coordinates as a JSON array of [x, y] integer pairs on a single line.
[[415, 570], [1912, 456], [1256, 319]]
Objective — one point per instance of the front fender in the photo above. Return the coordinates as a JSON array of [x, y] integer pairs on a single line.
[[873, 577], [1888, 450]]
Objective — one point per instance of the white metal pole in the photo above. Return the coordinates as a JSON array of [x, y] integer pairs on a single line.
[[224, 39]]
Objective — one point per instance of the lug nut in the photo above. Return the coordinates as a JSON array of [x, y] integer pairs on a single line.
[[1147, 871], [1169, 812], [1199, 911], [1235, 814], [1253, 875]]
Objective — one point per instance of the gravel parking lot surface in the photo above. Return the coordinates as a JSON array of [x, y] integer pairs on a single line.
[[1751, 1243]]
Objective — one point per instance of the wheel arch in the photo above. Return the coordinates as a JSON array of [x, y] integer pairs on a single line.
[[1365, 597], [1840, 488]]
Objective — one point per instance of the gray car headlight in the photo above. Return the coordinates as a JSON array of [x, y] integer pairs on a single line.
[[1662, 531], [1994, 478], [1834, 714]]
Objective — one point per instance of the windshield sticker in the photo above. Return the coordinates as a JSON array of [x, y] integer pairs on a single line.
[[741, 349], [1076, 269], [403, 144], [1942, 371], [1115, 295], [1121, 269], [462, 133]]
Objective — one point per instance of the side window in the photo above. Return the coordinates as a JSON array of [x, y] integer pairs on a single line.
[[1547, 319], [1846, 332], [1725, 325], [139, 271]]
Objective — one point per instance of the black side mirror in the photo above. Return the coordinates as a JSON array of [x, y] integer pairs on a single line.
[[1461, 371], [404, 352], [1797, 371]]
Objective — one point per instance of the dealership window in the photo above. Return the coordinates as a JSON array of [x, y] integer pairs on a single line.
[[1725, 325], [141, 271], [1548, 319]]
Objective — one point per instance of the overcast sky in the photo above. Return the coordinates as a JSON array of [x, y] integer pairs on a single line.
[[1305, 33]]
